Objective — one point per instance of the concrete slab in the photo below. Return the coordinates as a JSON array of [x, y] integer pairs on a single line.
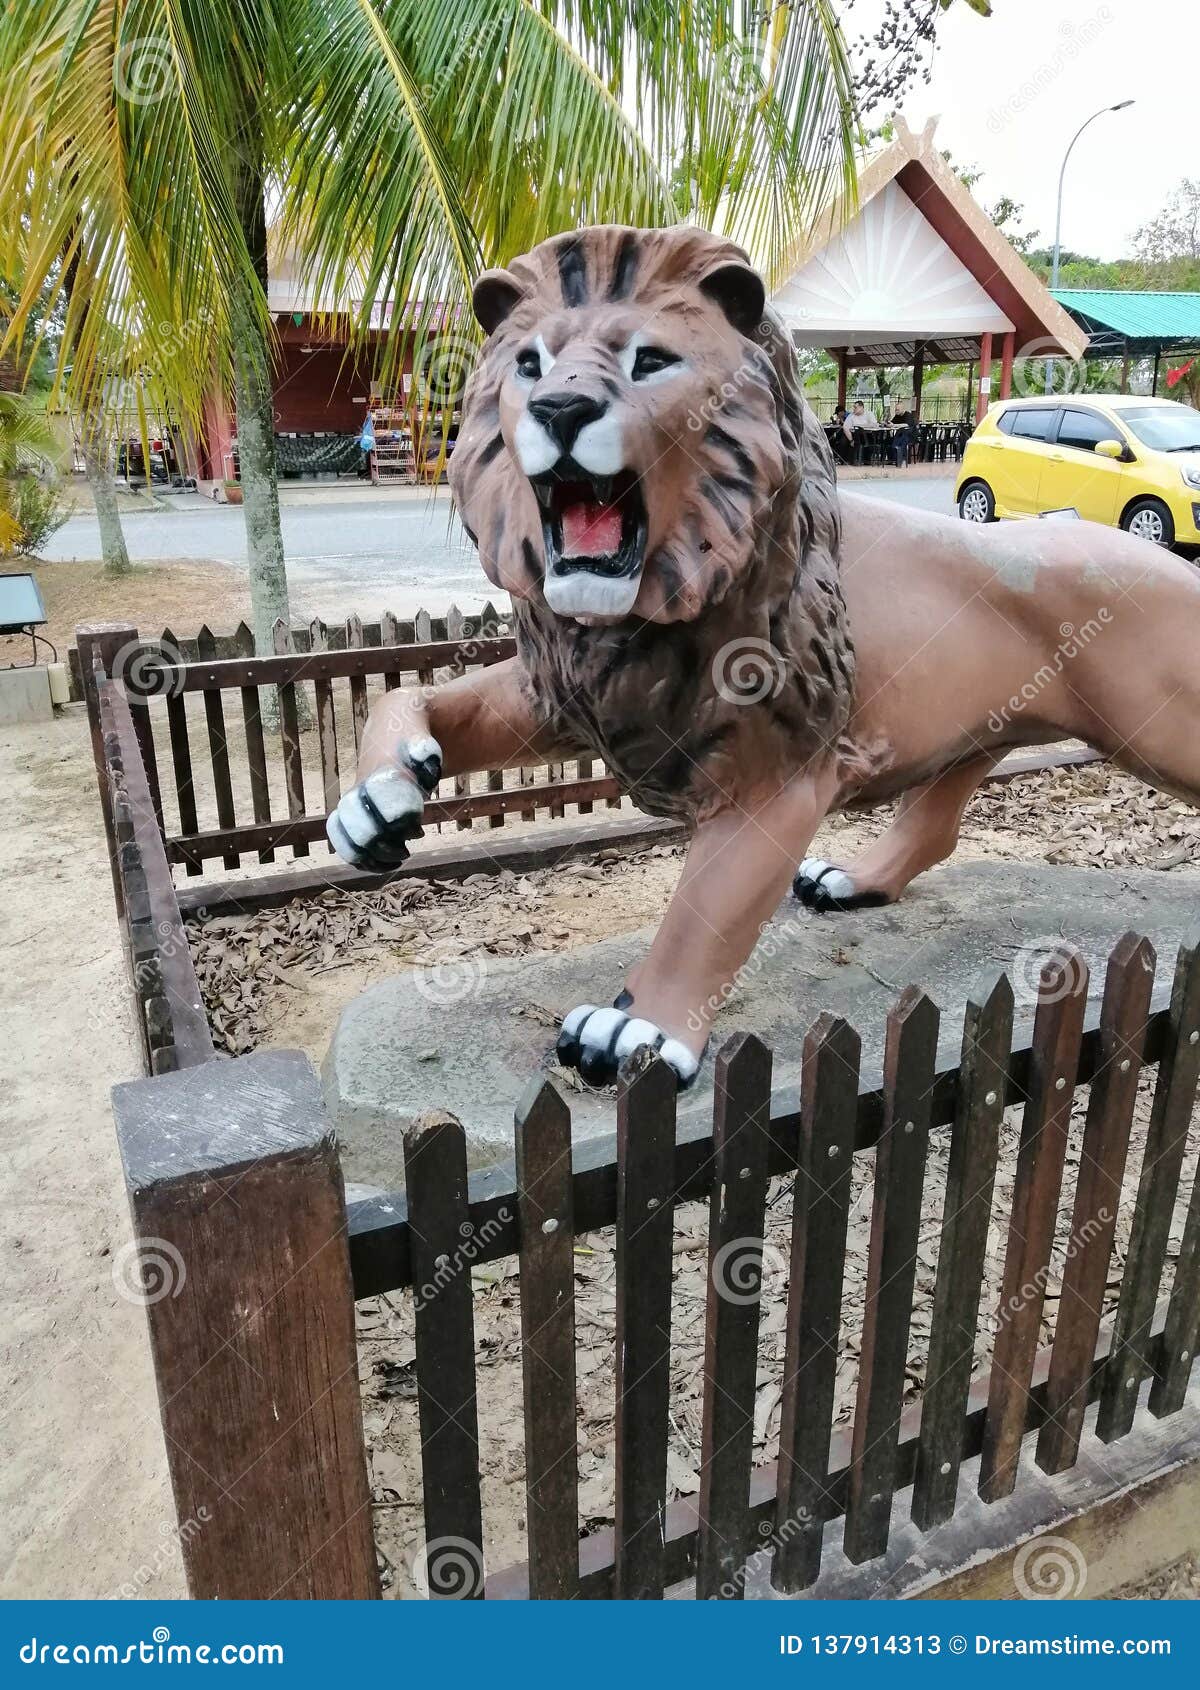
[[468, 1037], [25, 696]]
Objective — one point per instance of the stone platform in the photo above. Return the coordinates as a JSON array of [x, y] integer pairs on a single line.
[[471, 1044]]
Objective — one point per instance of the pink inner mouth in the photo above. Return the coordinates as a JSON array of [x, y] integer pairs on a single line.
[[591, 530]]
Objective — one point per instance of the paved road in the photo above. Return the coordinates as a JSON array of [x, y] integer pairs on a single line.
[[386, 551]]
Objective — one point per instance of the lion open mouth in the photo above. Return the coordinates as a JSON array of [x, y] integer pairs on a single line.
[[594, 532]]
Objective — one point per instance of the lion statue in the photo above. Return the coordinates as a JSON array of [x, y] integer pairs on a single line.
[[745, 648]]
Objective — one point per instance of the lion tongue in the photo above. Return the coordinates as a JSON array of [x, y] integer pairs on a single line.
[[591, 530]]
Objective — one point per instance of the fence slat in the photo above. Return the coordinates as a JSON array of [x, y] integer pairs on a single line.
[[490, 622], [289, 739], [181, 760], [435, 1176], [646, 1089], [331, 779], [256, 751], [358, 683], [909, 1061], [1183, 1318], [1127, 988], [1166, 1139], [1053, 1066], [820, 1210], [218, 748], [741, 1112], [389, 635], [970, 1178], [543, 1155], [455, 630]]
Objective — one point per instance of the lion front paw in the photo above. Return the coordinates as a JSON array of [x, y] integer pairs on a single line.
[[374, 821], [597, 1041], [825, 888]]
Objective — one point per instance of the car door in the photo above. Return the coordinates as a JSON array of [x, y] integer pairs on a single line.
[[1074, 477], [1014, 462]]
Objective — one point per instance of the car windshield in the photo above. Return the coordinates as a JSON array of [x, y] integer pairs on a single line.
[[1165, 428]]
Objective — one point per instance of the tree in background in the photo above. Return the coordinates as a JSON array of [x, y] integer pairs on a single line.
[[31, 508], [1169, 244]]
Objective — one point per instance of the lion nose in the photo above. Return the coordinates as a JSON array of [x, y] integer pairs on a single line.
[[562, 415]]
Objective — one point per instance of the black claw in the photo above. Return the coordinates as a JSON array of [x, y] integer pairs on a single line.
[[428, 772], [385, 855], [595, 1067], [567, 1050]]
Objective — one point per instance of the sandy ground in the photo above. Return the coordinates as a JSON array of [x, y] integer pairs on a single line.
[[84, 1500], [153, 596]]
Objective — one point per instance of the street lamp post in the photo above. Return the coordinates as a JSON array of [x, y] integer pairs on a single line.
[[1120, 106]]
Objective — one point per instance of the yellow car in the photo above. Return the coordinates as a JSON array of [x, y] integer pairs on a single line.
[[1131, 462]]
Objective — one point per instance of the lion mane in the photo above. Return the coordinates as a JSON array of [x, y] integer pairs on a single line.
[[734, 666]]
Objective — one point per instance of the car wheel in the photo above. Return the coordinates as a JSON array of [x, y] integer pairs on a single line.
[[976, 502], [1150, 520]]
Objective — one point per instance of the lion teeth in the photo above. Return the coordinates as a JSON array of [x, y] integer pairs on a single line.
[[545, 493]]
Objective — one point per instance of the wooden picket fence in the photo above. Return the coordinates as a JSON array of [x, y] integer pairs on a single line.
[[275, 1452], [209, 756]]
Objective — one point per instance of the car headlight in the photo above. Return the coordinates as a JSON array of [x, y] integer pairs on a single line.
[[1191, 477]]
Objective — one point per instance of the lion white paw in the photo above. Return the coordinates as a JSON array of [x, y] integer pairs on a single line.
[[374, 821], [823, 887], [597, 1041]]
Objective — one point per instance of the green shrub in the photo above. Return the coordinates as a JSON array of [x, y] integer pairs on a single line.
[[34, 511]]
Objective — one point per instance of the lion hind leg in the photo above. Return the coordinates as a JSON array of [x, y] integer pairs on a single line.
[[924, 832]]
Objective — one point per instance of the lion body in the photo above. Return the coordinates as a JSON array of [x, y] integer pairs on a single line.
[[735, 668]]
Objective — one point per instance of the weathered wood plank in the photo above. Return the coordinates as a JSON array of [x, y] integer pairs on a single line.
[[646, 1091], [820, 1210], [970, 1178], [741, 1111], [218, 752], [293, 762], [452, 861], [1127, 988], [1054, 1064], [331, 779], [543, 1163], [358, 683], [910, 1053], [258, 836], [256, 751], [181, 761], [160, 959], [435, 1175]]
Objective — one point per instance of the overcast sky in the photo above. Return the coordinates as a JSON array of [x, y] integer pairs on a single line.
[[1012, 89]]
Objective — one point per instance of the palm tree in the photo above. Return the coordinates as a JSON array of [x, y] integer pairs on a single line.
[[399, 145]]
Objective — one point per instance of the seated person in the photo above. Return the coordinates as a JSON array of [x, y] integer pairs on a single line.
[[839, 437], [858, 425], [905, 424]]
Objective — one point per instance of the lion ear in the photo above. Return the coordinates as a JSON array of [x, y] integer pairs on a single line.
[[493, 296], [739, 291]]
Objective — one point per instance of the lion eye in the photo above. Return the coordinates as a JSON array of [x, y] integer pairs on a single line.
[[529, 364], [650, 359]]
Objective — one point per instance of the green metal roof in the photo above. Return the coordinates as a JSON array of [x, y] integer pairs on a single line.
[[1166, 320]]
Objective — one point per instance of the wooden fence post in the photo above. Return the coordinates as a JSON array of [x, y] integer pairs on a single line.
[[101, 642], [240, 1258]]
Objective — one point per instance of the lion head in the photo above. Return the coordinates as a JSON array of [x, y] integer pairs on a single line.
[[633, 417]]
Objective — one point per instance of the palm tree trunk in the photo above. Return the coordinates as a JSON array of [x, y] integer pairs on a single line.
[[260, 493], [113, 550], [255, 399], [104, 495]]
